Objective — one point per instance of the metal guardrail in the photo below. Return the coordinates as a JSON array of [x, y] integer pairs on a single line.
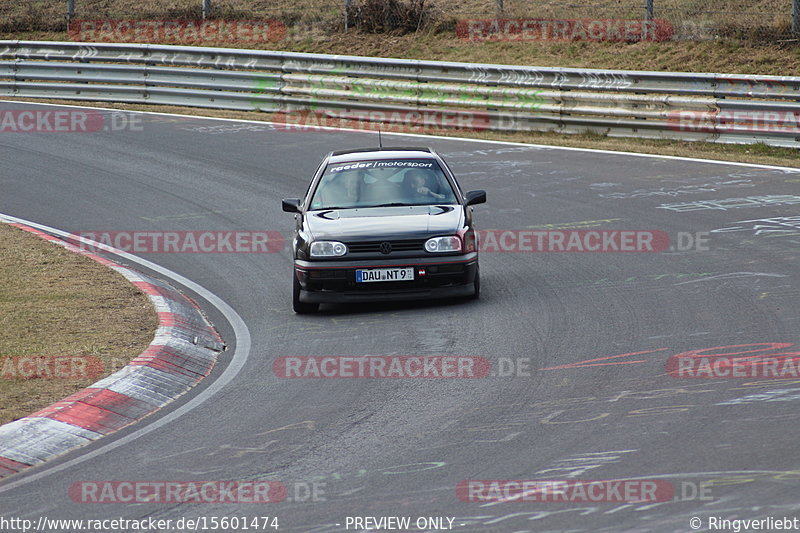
[[412, 93]]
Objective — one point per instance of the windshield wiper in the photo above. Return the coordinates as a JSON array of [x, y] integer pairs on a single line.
[[394, 204]]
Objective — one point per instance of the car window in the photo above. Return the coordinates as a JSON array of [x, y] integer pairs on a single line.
[[382, 182]]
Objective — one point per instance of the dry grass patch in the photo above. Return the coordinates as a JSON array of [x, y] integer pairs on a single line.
[[721, 56], [59, 304]]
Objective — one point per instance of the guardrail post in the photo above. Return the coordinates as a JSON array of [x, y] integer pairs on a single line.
[[649, 8], [70, 9], [796, 17], [347, 4], [206, 8]]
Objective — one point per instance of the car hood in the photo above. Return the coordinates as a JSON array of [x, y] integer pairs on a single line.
[[376, 223]]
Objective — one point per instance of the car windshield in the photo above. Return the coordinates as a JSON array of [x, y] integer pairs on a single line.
[[385, 182]]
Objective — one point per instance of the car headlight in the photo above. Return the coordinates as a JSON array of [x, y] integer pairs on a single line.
[[328, 249], [443, 244]]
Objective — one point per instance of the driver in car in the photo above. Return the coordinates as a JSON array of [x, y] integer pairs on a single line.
[[418, 185]]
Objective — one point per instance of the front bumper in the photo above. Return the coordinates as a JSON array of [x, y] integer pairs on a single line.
[[434, 277]]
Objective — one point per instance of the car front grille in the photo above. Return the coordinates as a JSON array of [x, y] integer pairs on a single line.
[[374, 247]]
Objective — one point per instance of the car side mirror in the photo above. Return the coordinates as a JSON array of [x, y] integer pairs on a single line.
[[291, 205], [476, 197]]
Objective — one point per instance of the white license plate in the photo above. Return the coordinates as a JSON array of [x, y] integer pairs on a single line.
[[385, 274]]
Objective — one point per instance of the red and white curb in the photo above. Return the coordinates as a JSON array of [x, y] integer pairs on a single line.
[[182, 353]]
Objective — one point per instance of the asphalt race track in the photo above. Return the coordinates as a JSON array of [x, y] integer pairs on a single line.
[[725, 446]]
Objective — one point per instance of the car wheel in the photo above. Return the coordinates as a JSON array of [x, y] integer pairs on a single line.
[[301, 308], [477, 285]]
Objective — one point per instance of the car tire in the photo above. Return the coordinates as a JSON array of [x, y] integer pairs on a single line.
[[301, 308], [477, 285]]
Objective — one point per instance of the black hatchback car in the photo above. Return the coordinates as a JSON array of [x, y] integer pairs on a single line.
[[383, 224]]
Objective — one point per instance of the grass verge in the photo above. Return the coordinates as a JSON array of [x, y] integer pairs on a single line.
[[67, 320], [724, 55]]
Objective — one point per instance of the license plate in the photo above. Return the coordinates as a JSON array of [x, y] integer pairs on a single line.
[[385, 274]]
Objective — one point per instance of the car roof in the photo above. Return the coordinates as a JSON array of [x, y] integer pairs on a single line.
[[360, 154]]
